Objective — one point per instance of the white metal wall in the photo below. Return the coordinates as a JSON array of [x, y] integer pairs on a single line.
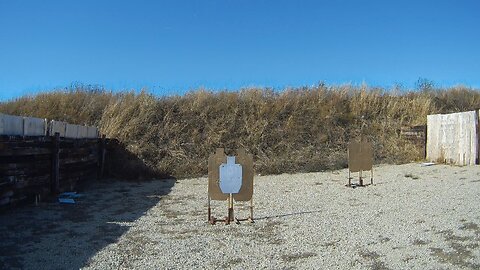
[[34, 126], [22, 126], [72, 131], [12, 125], [452, 138], [57, 127]]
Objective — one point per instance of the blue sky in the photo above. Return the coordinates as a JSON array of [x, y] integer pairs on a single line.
[[175, 46]]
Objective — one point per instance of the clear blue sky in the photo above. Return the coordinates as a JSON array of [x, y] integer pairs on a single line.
[[174, 46]]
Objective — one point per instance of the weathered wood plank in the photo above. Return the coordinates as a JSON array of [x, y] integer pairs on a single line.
[[102, 150], [33, 165], [38, 164], [24, 152], [73, 167], [25, 181], [79, 160], [54, 180], [25, 171], [23, 159]]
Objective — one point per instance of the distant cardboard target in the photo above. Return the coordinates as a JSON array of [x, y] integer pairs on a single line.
[[360, 158]]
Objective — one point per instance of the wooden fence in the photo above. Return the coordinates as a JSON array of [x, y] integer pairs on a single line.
[[43, 165], [417, 135]]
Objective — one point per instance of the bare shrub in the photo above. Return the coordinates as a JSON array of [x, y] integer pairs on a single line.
[[294, 130]]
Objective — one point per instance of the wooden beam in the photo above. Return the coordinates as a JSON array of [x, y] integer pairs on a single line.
[[101, 157], [55, 184]]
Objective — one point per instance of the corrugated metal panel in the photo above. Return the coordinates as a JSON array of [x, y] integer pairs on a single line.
[[11, 125], [82, 132], [452, 138], [92, 132], [57, 126], [34, 126], [71, 131]]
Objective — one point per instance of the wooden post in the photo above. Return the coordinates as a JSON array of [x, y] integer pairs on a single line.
[[349, 178], [251, 210], [54, 180], [101, 157], [209, 210], [232, 216], [371, 176], [230, 210]]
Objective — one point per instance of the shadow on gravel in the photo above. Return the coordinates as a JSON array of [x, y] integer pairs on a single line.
[[61, 236], [289, 214]]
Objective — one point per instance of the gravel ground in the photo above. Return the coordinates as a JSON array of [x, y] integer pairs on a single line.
[[413, 217]]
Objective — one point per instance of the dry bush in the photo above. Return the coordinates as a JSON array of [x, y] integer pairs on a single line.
[[77, 105], [294, 130]]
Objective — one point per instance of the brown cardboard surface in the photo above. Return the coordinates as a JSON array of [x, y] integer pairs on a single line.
[[360, 156], [246, 160], [367, 156], [214, 161], [354, 158]]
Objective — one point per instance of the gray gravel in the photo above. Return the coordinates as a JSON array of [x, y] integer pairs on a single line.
[[414, 217]]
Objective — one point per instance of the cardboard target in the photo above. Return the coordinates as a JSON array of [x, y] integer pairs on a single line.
[[214, 162], [354, 158], [367, 156], [360, 156], [245, 161], [246, 191]]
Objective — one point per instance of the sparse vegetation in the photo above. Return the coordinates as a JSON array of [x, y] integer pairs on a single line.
[[409, 175], [294, 130]]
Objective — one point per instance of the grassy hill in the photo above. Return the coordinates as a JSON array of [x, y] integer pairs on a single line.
[[294, 130]]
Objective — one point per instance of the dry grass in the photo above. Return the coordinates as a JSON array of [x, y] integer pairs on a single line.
[[295, 130]]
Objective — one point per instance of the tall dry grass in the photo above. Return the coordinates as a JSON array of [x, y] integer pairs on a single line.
[[301, 129]]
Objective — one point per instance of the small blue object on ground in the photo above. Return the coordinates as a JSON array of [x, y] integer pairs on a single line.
[[66, 200]]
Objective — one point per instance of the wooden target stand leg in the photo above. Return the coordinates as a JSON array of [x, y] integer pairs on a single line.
[[250, 218], [211, 219], [360, 178], [251, 211], [230, 209], [349, 178], [230, 217]]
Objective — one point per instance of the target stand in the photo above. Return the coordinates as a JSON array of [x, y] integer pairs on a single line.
[[230, 179], [360, 159]]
